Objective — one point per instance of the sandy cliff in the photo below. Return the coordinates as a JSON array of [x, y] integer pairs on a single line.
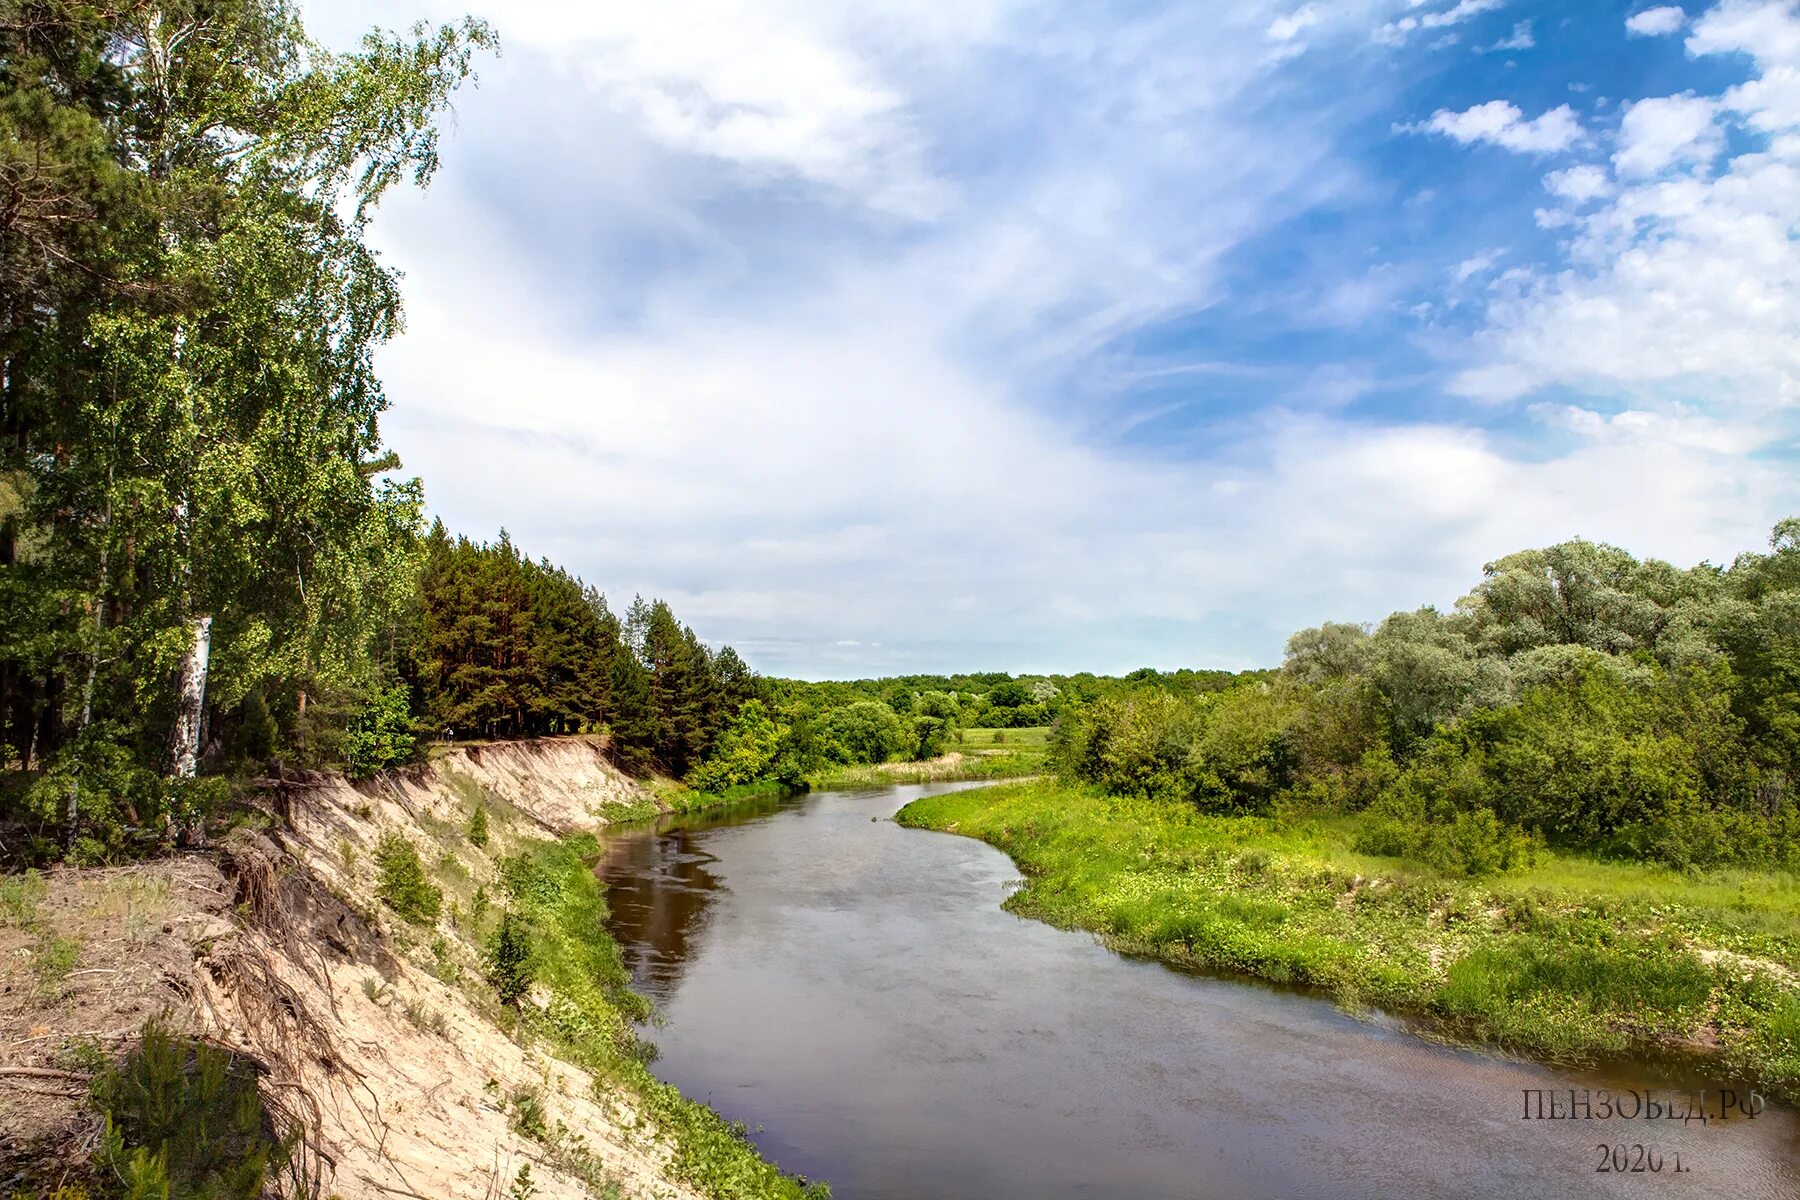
[[371, 1030]]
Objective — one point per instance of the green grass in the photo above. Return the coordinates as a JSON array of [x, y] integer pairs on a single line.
[[1034, 737], [1571, 960], [679, 798], [998, 763], [20, 896]]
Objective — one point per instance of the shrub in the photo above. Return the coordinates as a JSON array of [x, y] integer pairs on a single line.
[[1473, 843], [509, 959], [478, 826], [381, 736], [185, 1119], [1583, 757], [1477, 843], [118, 800], [1703, 838], [402, 884], [528, 1116]]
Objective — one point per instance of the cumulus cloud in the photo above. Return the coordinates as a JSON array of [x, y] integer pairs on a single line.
[[1682, 289], [1502, 123], [1667, 131], [1656, 22], [1579, 183]]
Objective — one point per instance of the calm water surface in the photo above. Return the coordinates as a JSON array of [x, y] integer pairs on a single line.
[[851, 990]]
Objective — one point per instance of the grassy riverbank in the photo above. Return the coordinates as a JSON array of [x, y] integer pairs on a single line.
[[1571, 960], [977, 754]]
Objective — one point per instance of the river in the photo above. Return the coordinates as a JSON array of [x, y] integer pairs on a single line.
[[852, 991]]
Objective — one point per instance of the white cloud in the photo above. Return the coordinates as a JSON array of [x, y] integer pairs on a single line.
[[784, 91], [1765, 29], [1770, 34], [1681, 291], [735, 363], [1468, 268], [1396, 32], [1667, 131], [1501, 123], [1519, 39], [1579, 183], [794, 351], [1286, 28], [1656, 22]]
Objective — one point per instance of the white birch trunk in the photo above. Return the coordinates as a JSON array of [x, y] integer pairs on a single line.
[[186, 742]]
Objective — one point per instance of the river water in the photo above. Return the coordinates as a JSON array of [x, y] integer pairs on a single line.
[[852, 991]]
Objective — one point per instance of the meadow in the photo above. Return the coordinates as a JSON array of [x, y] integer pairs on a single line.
[[972, 754], [1573, 960]]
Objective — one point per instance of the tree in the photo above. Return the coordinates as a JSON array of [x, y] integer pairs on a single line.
[[865, 732], [749, 750], [190, 403], [382, 736], [510, 965]]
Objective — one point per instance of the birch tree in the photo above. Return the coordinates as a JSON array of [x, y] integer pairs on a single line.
[[195, 501]]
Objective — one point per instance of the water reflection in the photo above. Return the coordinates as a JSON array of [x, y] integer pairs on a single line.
[[659, 889]]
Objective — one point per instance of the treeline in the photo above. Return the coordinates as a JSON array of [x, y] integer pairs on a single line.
[[917, 716], [506, 647], [1578, 697]]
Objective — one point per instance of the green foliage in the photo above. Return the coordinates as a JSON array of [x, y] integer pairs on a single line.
[[1578, 698], [381, 737], [752, 749], [478, 826], [866, 731], [191, 407], [401, 883], [1473, 842], [184, 1119], [510, 962], [508, 647], [1223, 751], [1009, 765]]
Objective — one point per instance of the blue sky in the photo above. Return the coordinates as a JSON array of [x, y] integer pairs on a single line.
[[897, 336]]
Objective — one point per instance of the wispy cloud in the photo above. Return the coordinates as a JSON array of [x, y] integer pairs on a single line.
[[1396, 32], [1519, 39]]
